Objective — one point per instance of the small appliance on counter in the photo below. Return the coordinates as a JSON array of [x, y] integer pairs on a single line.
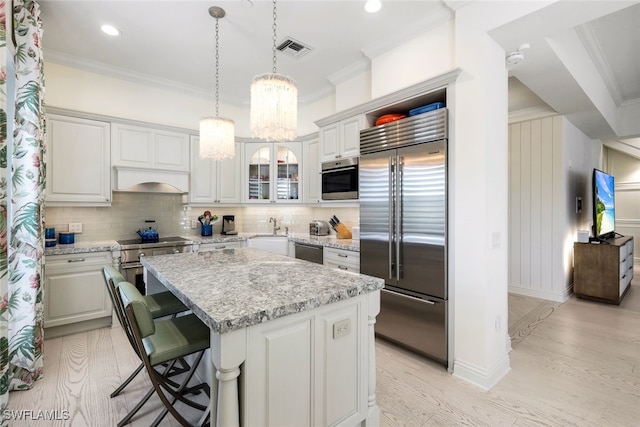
[[65, 238], [228, 225], [318, 228]]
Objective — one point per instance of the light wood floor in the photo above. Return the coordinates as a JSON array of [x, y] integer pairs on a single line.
[[576, 364]]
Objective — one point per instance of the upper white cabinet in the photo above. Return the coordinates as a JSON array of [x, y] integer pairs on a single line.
[[146, 147], [341, 139], [78, 162], [311, 160], [272, 172], [214, 181]]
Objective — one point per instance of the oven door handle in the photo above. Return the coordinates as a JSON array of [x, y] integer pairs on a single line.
[[339, 170], [131, 265]]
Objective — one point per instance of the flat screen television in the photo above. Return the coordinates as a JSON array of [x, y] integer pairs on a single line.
[[604, 211]]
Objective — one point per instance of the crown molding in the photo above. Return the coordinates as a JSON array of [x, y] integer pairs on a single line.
[[591, 44], [352, 70]]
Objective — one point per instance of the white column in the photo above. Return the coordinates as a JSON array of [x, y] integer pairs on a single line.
[[373, 415], [478, 197], [228, 352]]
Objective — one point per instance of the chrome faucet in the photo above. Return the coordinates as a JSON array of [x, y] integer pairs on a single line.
[[275, 225]]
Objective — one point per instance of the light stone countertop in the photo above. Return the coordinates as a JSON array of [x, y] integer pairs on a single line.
[[110, 245], [236, 288], [327, 241], [82, 247], [330, 241]]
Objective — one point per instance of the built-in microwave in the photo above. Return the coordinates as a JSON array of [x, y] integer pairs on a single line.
[[340, 179]]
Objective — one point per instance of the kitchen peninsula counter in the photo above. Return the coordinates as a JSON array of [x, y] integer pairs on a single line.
[[301, 333]]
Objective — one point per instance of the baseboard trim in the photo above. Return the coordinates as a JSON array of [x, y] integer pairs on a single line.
[[546, 295], [483, 378], [74, 328]]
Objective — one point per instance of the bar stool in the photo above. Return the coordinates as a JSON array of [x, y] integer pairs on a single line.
[[160, 305], [164, 341]]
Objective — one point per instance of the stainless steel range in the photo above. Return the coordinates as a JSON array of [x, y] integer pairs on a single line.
[[132, 250]]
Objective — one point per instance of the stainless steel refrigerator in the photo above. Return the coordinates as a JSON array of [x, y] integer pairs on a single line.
[[403, 229]]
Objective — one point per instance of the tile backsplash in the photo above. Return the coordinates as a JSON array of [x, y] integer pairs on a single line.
[[128, 211]]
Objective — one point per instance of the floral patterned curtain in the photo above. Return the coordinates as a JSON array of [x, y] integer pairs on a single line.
[[4, 325], [22, 204]]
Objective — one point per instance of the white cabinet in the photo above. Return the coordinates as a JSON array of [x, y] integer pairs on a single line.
[[342, 259], [341, 139], [78, 162], [311, 161], [317, 359], [272, 172], [150, 148], [214, 181], [74, 288]]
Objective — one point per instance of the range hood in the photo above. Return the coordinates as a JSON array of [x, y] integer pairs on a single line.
[[143, 180]]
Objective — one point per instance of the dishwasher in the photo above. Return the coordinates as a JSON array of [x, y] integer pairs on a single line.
[[312, 253]]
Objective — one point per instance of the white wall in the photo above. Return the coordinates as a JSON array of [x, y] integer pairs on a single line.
[[424, 57], [80, 90], [550, 164], [353, 91]]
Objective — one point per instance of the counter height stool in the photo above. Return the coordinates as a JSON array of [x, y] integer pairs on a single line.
[[160, 305], [165, 340]]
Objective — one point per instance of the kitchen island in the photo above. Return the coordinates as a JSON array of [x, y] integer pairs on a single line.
[[292, 342]]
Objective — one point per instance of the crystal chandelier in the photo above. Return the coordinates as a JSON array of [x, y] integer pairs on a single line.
[[274, 102], [217, 139]]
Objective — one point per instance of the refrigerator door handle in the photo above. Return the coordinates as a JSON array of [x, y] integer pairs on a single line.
[[391, 167], [413, 298], [398, 213]]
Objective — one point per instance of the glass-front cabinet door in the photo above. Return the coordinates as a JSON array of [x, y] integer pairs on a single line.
[[260, 174], [273, 172]]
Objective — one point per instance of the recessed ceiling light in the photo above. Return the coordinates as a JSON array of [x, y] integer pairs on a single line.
[[110, 29], [372, 6]]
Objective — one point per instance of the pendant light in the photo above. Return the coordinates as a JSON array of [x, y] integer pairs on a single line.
[[274, 102], [217, 140]]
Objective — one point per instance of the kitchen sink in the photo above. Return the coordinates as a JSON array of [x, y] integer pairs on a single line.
[[275, 244]]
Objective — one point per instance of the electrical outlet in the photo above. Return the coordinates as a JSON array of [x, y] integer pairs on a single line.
[[75, 227], [194, 223], [341, 328]]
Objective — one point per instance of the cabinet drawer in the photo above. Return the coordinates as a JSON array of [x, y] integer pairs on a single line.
[[216, 247], [338, 256], [76, 261], [342, 259], [343, 266]]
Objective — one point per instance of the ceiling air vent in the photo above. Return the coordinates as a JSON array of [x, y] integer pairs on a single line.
[[293, 48]]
